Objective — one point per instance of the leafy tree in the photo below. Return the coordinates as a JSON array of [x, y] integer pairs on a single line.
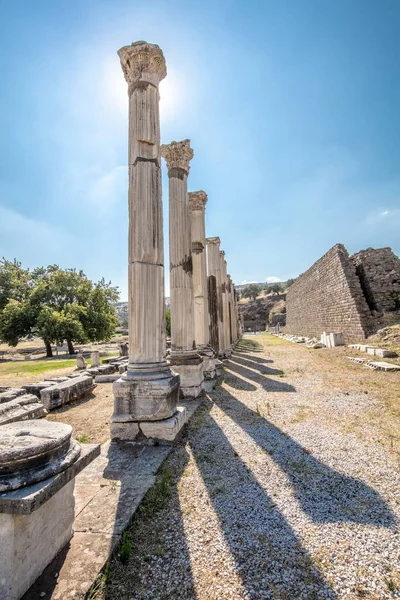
[[168, 321], [290, 282], [251, 291], [57, 304]]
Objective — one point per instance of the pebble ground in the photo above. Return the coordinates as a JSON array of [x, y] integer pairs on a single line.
[[268, 496]]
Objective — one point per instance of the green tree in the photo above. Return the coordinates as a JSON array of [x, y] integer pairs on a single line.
[[251, 291], [57, 304], [168, 321], [290, 282]]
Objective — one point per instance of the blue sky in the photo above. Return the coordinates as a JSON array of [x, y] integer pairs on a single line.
[[292, 108]]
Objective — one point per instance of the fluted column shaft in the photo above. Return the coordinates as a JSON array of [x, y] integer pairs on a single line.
[[231, 311], [197, 203], [146, 245], [178, 156], [214, 270], [225, 303]]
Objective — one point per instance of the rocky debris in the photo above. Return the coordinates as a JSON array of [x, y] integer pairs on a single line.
[[20, 408], [381, 352], [67, 391], [379, 272], [256, 313], [10, 394], [80, 362], [383, 366], [331, 340], [387, 335]]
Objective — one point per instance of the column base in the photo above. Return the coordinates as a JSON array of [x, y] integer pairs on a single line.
[[208, 356], [138, 399], [164, 432], [191, 375]]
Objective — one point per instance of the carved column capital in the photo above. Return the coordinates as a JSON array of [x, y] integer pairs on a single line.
[[197, 200], [213, 241], [142, 62], [177, 155]]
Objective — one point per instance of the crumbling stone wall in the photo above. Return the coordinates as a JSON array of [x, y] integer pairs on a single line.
[[328, 297], [379, 273]]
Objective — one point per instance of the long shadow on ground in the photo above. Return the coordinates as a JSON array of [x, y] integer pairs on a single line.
[[323, 493], [268, 555]]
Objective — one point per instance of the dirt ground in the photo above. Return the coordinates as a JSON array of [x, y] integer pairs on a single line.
[[89, 417], [285, 487]]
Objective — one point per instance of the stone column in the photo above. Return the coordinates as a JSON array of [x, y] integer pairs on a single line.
[[236, 313], [197, 204], [184, 356], [225, 305], [231, 312], [149, 390], [214, 270]]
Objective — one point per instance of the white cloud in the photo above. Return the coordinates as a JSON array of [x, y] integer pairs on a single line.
[[273, 279]]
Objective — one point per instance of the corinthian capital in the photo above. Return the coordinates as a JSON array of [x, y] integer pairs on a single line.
[[197, 200], [177, 156], [213, 241], [143, 62]]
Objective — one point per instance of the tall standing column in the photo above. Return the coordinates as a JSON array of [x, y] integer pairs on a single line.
[[184, 356], [149, 391], [214, 270], [197, 204], [231, 315], [225, 305]]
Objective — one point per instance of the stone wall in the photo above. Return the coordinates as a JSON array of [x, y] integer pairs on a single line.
[[379, 274], [328, 297]]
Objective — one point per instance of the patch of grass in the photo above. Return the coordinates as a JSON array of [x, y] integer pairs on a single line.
[[157, 497], [35, 366], [83, 439], [99, 584], [125, 549]]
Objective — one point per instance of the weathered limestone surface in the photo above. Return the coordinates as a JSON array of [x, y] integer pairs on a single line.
[[80, 362], [21, 408], [214, 270], [95, 358], [36, 520], [185, 359], [328, 297], [67, 391], [149, 376], [225, 306], [197, 204], [379, 272]]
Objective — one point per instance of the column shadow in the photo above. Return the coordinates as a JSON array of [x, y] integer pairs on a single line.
[[269, 385], [152, 547], [247, 362], [269, 558], [325, 495]]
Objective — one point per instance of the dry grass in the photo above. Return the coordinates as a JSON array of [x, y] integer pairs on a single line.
[[339, 374], [89, 417]]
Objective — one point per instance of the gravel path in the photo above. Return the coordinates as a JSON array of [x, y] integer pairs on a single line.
[[268, 497]]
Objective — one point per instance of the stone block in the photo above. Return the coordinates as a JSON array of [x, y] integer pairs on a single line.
[[11, 394], [383, 353], [36, 388], [383, 366], [63, 393], [191, 377], [95, 358], [21, 408], [107, 378], [371, 350], [165, 431], [137, 399], [124, 431]]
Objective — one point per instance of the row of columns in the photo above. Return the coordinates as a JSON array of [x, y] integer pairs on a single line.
[[204, 316]]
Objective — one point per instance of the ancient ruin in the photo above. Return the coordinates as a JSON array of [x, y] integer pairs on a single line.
[[185, 359], [38, 465], [197, 205], [344, 294], [149, 390]]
